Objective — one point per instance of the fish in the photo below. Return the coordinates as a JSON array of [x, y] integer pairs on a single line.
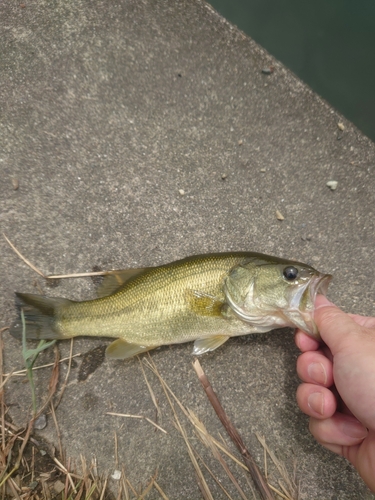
[[203, 298]]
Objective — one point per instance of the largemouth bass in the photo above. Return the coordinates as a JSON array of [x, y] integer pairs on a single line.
[[205, 298]]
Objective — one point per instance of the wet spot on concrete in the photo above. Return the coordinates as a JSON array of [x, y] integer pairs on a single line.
[[91, 361], [89, 401]]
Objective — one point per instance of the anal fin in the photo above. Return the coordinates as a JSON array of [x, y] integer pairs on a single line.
[[208, 344], [120, 349]]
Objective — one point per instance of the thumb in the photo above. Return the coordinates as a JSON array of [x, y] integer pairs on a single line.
[[336, 328]]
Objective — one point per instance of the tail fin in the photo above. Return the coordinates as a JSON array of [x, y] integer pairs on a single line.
[[40, 316]]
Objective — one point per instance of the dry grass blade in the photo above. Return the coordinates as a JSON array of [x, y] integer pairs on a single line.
[[65, 383], [123, 491], [68, 474], [218, 482], [210, 444], [160, 491], [21, 373], [291, 491], [76, 275], [18, 452], [24, 258], [116, 450], [153, 398], [200, 477], [53, 381], [139, 417], [52, 276], [254, 470], [57, 429], [148, 488], [151, 365]]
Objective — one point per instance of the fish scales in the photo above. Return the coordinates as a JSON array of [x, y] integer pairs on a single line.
[[206, 298], [155, 306]]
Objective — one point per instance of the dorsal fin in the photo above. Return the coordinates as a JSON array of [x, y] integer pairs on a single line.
[[116, 279]]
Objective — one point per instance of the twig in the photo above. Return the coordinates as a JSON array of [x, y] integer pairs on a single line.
[[52, 276], [76, 275], [254, 470], [116, 450], [205, 437], [151, 365], [24, 258]]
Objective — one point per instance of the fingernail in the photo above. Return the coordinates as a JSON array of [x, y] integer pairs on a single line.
[[354, 430], [316, 402], [318, 373]]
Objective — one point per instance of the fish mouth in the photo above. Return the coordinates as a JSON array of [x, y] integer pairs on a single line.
[[318, 286]]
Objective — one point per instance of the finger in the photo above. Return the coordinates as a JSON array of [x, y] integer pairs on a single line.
[[338, 431], [335, 327], [366, 321], [316, 401], [314, 367], [304, 342], [361, 454]]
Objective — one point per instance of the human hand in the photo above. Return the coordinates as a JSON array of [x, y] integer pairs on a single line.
[[338, 389]]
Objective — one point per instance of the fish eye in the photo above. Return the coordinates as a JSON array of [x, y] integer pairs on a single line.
[[290, 273]]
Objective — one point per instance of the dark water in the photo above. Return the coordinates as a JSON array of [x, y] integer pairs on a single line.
[[330, 44]]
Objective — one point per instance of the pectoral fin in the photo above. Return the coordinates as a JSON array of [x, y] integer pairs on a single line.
[[120, 349], [210, 344], [203, 304], [115, 279]]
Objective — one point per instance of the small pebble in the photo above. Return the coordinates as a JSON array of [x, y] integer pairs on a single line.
[[332, 185], [279, 215], [262, 169], [116, 475], [268, 70], [224, 176], [41, 422], [181, 191], [240, 142], [58, 486], [341, 126], [15, 183]]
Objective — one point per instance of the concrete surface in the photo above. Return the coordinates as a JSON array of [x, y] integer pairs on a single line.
[[108, 109]]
